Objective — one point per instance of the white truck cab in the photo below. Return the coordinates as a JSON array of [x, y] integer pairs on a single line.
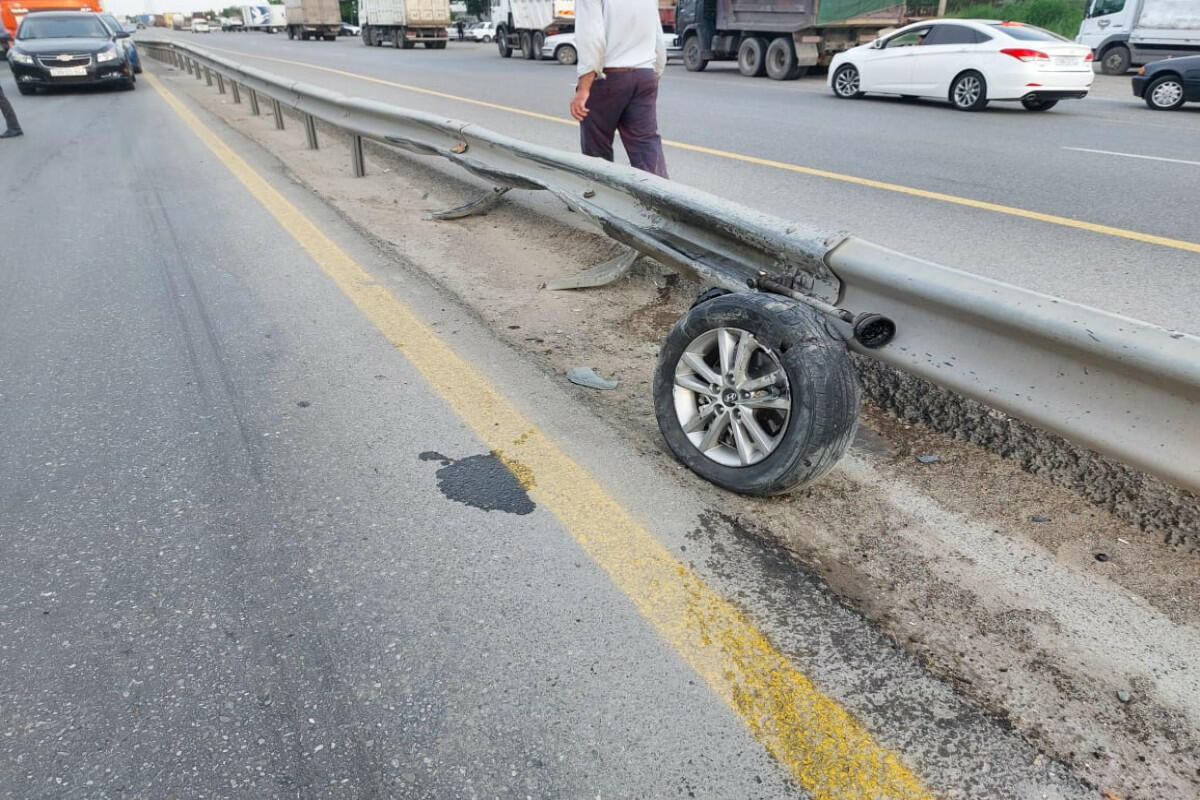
[[1125, 33]]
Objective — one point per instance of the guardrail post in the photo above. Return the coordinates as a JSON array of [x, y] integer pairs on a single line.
[[254, 102], [197, 70], [208, 76], [356, 157], [220, 83], [278, 111], [237, 94], [310, 131]]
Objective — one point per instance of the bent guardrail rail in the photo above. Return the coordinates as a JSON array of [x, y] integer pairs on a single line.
[[1124, 388]]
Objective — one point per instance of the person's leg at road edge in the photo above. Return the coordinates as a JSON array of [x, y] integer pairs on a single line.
[[12, 126], [624, 101]]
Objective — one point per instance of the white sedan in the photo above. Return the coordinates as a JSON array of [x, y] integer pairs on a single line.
[[561, 47], [968, 62]]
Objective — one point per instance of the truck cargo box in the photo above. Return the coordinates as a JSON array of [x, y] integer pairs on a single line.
[[313, 12], [408, 13], [1168, 22]]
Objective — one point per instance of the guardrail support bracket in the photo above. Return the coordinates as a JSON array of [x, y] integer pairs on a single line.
[[220, 83], [479, 205], [278, 111], [253, 102], [357, 162], [599, 275], [310, 131], [208, 76]]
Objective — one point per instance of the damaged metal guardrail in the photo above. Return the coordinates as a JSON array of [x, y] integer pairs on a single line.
[[1126, 389]]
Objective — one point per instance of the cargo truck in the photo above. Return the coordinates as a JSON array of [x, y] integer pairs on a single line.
[[404, 23], [13, 11], [778, 38], [271, 19], [313, 19], [1125, 33], [524, 24]]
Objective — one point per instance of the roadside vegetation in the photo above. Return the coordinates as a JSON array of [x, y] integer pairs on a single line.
[[1061, 16]]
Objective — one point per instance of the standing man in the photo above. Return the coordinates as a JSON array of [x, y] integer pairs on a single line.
[[621, 57], [13, 127]]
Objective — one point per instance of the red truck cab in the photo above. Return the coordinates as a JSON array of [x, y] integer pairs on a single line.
[[13, 11]]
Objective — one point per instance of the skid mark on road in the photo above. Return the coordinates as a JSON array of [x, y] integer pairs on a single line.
[[941, 197], [826, 750]]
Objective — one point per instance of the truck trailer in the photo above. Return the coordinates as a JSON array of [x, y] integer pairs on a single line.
[[404, 23], [313, 19], [524, 24], [13, 11], [1125, 33], [778, 38]]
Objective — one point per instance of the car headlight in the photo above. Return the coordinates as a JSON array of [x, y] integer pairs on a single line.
[[106, 55], [20, 58]]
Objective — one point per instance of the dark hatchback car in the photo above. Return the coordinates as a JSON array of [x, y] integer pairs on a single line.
[[68, 49], [1168, 84]]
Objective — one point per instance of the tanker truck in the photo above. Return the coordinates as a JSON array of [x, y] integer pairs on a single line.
[[778, 38]]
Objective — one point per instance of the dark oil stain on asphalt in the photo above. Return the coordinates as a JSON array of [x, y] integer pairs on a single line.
[[481, 481]]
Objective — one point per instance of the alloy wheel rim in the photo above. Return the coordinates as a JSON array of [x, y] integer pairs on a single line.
[[847, 81], [966, 93], [732, 397], [1167, 94]]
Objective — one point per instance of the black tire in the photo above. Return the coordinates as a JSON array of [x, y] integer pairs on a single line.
[[1116, 60], [526, 45], [365, 35], [502, 42], [968, 92], [403, 42], [752, 57], [822, 415], [23, 89], [539, 39], [1038, 104], [291, 33], [781, 60], [566, 55], [847, 83], [1165, 93], [693, 55], [711, 293], [487, 40]]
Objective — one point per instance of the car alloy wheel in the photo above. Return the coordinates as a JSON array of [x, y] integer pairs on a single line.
[[847, 82], [1165, 94], [566, 55], [969, 92]]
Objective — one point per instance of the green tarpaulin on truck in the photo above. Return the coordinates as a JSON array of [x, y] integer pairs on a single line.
[[837, 10]]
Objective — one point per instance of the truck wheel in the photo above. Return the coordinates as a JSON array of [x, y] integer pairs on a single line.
[[752, 57], [754, 394], [1165, 93], [781, 60], [502, 42], [847, 83], [693, 55], [365, 33], [291, 33], [539, 39], [403, 42], [566, 55], [1116, 60], [526, 46], [968, 92]]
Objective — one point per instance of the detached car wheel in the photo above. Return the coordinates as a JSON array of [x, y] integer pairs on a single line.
[[754, 394], [1165, 93]]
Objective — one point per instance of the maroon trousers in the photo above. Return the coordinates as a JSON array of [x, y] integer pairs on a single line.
[[625, 102]]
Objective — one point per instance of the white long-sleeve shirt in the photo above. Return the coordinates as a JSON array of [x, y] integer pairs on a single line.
[[619, 34]]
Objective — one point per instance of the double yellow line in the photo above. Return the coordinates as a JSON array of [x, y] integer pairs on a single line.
[[827, 752], [997, 208]]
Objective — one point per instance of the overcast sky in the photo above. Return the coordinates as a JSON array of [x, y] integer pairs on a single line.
[[131, 7]]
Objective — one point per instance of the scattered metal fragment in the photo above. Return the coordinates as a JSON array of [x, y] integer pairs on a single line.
[[1039, 518], [928, 459], [586, 376]]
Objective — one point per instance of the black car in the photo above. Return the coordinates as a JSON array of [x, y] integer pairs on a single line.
[[1166, 85], [56, 48]]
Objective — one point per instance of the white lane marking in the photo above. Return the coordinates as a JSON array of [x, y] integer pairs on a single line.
[[1133, 155]]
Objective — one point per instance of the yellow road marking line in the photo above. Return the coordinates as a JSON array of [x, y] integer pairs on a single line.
[[828, 752], [982, 205]]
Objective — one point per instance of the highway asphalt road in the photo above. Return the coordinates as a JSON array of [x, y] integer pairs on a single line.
[[252, 544], [1031, 163]]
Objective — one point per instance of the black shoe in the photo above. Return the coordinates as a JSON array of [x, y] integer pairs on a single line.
[[11, 133]]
